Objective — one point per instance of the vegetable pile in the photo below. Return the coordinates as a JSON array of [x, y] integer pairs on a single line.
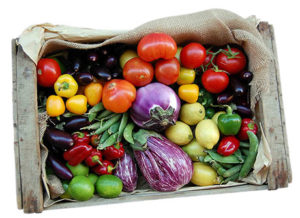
[[174, 115]]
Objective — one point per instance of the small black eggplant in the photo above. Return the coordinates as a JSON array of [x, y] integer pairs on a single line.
[[58, 138], [59, 168], [74, 124]]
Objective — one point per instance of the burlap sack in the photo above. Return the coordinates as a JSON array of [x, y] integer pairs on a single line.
[[214, 27]]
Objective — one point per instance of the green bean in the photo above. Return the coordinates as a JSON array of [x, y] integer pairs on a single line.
[[92, 126], [239, 155], [127, 134], [113, 128], [104, 136], [227, 165], [233, 170], [245, 151], [108, 123], [112, 139], [232, 178], [231, 159], [104, 114], [249, 162], [122, 126], [218, 167], [97, 108], [244, 145]]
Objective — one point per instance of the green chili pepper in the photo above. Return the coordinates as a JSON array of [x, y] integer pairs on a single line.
[[205, 98], [229, 123], [253, 149]]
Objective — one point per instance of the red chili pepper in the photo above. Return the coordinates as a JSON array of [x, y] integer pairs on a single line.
[[247, 125], [114, 151], [94, 158], [77, 153], [228, 145], [81, 137], [95, 139], [106, 168]]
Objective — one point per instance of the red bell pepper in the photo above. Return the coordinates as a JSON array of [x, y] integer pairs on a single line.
[[114, 151], [81, 137], [94, 158], [77, 153], [95, 139], [106, 168], [228, 145], [247, 125]]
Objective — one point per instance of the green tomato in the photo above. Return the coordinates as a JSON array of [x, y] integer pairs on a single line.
[[194, 150], [78, 170], [126, 56], [93, 178], [81, 188], [109, 186]]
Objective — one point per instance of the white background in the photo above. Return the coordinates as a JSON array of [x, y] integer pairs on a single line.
[[284, 15]]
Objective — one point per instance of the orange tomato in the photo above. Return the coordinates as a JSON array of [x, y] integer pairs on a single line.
[[93, 93], [118, 95], [55, 106]]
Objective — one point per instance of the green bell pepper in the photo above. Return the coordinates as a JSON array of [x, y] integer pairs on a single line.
[[229, 123]]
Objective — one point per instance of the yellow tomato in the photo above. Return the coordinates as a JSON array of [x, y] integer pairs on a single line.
[[55, 106], [77, 104], [186, 76], [93, 93], [189, 93], [126, 56]]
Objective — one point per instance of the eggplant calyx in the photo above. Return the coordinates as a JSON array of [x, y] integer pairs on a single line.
[[160, 118], [140, 139]]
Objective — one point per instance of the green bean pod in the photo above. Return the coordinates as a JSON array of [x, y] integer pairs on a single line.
[[112, 139], [232, 178], [239, 155], [233, 170], [113, 128], [122, 126], [104, 136], [244, 144], [108, 123], [249, 162], [231, 159], [127, 134], [104, 114], [245, 151], [93, 126]]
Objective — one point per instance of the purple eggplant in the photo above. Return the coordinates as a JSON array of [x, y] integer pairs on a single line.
[[165, 166], [84, 78], [58, 139], [243, 111], [156, 107], [238, 88], [225, 98], [111, 61], [59, 168], [92, 57], [127, 172], [74, 123], [246, 76], [101, 72]]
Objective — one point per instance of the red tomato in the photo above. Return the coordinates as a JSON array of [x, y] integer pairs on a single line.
[[228, 145], [118, 95], [167, 71], [233, 61], [214, 81], [48, 71], [207, 62], [156, 45], [192, 55], [138, 72]]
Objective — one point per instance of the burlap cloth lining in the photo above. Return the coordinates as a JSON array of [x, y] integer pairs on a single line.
[[215, 27]]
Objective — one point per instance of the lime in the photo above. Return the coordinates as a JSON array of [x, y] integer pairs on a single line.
[[93, 178], [78, 170], [109, 186], [67, 194], [81, 188]]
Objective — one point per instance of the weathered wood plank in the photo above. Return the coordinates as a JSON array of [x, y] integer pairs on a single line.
[[271, 112], [15, 124], [28, 134], [154, 196]]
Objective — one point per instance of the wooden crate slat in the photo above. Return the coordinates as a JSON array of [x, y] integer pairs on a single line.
[[15, 124], [28, 134], [273, 118]]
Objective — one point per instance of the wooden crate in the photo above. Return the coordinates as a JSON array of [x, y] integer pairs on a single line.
[[269, 111]]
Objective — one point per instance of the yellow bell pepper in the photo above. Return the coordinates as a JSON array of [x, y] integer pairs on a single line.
[[55, 106], [77, 104], [186, 76], [188, 93], [66, 86]]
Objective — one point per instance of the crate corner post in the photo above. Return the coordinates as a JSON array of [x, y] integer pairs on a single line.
[[26, 133]]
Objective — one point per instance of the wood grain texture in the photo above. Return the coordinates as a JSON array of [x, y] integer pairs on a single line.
[[157, 195], [28, 134], [15, 124], [272, 114]]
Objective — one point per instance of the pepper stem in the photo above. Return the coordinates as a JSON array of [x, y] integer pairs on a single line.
[[228, 108]]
